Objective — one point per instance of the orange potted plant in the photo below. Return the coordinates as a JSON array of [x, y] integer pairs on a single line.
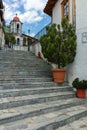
[[59, 47]]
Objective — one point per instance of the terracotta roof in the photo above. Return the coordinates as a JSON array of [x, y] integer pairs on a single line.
[[16, 18], [49, 6]]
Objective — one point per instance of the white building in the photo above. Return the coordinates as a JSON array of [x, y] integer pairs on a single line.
[[16, 29], [76, 12]]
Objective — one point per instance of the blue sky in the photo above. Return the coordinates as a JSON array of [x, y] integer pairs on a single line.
[[30, 13]]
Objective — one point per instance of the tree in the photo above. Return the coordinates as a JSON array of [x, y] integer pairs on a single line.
[[59, 44], [10, 38]]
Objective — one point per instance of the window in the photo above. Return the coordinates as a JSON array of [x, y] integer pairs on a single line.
[[18, 41], [65, 9], [17, 28]]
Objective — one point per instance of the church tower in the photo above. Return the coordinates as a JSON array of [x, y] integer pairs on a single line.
[[16, 29]]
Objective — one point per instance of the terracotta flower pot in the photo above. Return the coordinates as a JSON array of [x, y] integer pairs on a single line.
[[81, 93], [59, 75]]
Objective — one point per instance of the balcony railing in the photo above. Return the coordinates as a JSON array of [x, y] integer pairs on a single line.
[[41, 32]]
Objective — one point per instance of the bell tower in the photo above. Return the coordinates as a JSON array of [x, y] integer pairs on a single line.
[[16, 29]]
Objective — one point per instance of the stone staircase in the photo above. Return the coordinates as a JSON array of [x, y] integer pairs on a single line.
[[29, 99]]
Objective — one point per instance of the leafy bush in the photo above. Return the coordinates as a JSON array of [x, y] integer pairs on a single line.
[[79, 84]]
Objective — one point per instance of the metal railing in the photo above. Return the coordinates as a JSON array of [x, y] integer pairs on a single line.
[[41, 32]]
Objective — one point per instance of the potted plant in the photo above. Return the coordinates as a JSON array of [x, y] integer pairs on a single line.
[[80, 87], [59, 46]]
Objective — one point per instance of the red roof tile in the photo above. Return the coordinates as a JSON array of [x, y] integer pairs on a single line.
[[16, 18]]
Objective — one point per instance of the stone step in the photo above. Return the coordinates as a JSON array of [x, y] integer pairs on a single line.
[[22, 73], [28, 57], [10, 102], [29, 99], [53, 120], [14, 114], [26, 80], [80, 124], [31, 85], [25, 76], [27, 70], [18, 73], [27, 64], [15, 53], [20, 58], [31, 91], [2, 66], [49, 121], [36, 69]]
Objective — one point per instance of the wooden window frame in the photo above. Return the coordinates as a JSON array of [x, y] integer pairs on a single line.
[[62, 8]]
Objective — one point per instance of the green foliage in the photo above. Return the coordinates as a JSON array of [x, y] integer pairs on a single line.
[[59, 44], [10, 38], [79, 84]]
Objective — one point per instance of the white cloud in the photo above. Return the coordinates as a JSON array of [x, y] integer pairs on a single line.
[[34, 4], [27, 17], [32, 34], [29, 11]]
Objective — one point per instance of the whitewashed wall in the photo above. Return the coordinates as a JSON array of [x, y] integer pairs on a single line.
[[20, 38], [3, 39], [79, 67], [35, 48], [22, 48]]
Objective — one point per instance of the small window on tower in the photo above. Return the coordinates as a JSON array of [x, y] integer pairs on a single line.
[[17, 28], [18, 41]]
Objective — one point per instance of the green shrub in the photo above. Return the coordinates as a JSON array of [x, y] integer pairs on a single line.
[[59, 44], [79, 84]]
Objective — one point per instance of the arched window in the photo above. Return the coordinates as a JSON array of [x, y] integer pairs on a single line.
[[17, 28], [18, 41]]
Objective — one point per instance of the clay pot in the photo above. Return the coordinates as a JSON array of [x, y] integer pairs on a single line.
[[59, 75], [81, 93]]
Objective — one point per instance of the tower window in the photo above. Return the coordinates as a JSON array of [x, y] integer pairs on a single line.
[[18, 41], [17, 28]]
